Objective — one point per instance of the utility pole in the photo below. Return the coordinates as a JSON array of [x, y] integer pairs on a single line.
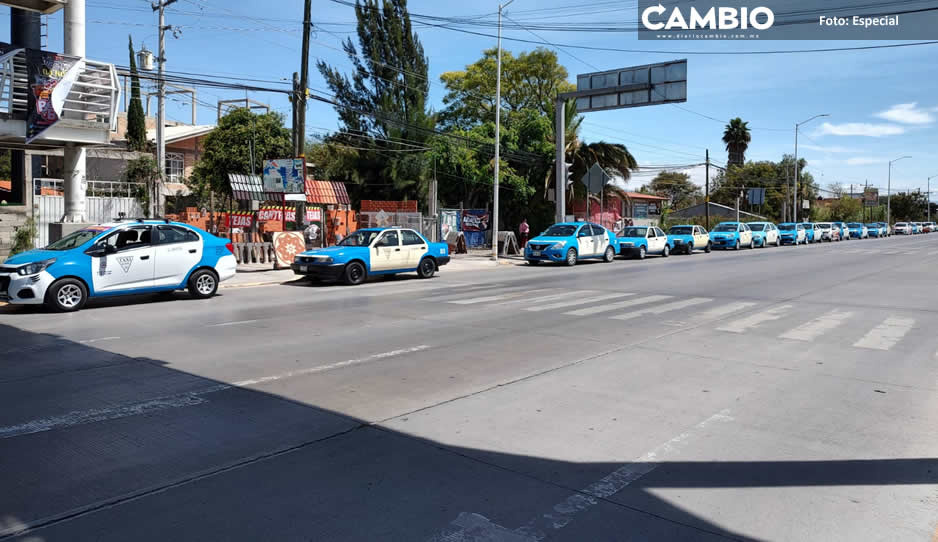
[[304, 82], [75, 155], [797, 175], [295, 102], [889, 192], [707, 190], [560, 165], [160, 7], [498, 126], [928, 197]]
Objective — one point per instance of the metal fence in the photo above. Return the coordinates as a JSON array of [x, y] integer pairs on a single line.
[[102, 189], [427, 225], [51, 209]]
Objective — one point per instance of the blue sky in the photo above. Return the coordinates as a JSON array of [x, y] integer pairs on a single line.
[[883, 103]]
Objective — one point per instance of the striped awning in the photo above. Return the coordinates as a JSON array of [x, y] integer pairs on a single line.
[[326, 193], [250, 188]]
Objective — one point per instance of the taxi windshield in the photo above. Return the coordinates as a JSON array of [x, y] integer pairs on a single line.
[[359, 239], [75, 239], [633, 232], [681, 230], [854, 225], [786, 227], [725, 227], [559, 230], [757, 227], [825, 226]]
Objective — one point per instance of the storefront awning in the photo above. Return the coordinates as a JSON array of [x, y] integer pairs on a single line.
[[326, 193]]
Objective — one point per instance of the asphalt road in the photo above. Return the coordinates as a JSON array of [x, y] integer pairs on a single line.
[[775, 394]]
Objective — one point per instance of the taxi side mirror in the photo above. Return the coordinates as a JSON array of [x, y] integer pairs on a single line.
[[98, 251]]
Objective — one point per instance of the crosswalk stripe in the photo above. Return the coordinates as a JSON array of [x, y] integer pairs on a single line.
[[539, 299], [573, 302], [660, 309], [911, 252], [739, 326], [887, 334], [724, 310], [620, 305], [933, 253], [463, 292], [817, 327], [485, 299], [891, 252]]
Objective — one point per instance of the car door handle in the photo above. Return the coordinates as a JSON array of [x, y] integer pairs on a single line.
[[192, 251], [144, 257], [397, 250]]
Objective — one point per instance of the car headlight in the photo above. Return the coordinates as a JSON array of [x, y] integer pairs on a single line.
[[559, 245], [35, 267]]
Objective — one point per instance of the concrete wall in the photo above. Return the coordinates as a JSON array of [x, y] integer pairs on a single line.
[[11, 217]]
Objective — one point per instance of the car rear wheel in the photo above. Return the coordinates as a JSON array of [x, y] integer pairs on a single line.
[[66, 295], [354, 273], [571, 257], [427, 268], [709, 247], [609, 255], [203, 284], [666, 251]]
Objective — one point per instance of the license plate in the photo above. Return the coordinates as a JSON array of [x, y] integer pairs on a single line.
[[535, 253], [304, 268]]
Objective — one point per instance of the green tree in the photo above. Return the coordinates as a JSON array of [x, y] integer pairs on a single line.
[[908, 206], [736, 136], [227, 149], [382, 106], [136, 119], [143, 173], [529, 81], [677, 187], [846, 209]]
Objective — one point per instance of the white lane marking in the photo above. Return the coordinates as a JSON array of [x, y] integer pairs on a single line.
[[809, 331], [740, 326], [911, 253], [660, 309], [543, 298], [462, 293], [474, 527], [90, 341], [474, 300], [322, 368], [620, 305], [887, 334], [724, 310], [581, 301], [81, 417], [933, 253], [238, 323]]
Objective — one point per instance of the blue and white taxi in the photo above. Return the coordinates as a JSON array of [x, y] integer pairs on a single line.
[[638, 241], [688, 237], [121, 258], [732, 235], [792, 234], [764, 234], [373, 251], [570, 242]]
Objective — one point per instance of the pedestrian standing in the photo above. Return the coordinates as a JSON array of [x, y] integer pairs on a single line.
[[524, 229]]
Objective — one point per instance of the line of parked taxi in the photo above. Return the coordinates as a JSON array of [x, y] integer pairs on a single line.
[[570, 242]]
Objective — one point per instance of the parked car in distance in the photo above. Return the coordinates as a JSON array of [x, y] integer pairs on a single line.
[[570, 242], [812, 232], [874, 230], [732, 235], [857, 230], [687, 238], [639, 241], [792, 233], [929, 227], [844, 231], [829, 232], [886, 230], [122, 258], [764, 234], [903, 228], [373, 251], [916, 227]]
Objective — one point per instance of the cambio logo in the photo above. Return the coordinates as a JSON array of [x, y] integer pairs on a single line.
[[721, 18]]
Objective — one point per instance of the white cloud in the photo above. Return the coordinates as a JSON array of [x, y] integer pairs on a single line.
[[859, 129], [908, 113], [863, 161], [831, 149]]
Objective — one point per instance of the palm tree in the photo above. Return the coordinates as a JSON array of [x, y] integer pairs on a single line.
[[615, 158], [737, 138]]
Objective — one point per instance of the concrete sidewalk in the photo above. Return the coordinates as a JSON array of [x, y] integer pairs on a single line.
[[250, 275]]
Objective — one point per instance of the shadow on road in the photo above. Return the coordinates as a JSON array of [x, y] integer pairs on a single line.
[[96, 445]]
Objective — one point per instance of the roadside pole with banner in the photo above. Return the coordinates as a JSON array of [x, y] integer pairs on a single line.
[[286, 176]]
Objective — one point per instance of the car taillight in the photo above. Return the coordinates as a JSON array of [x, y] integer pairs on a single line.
[[230, 247]]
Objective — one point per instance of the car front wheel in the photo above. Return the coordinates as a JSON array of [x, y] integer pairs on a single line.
[[66, 295], [571, 257], [203, 284], [354, 273], [736, 246], [641, 252], [427, 268], [690, 249]]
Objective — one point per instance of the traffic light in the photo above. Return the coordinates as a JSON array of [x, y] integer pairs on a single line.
[[568, 172]]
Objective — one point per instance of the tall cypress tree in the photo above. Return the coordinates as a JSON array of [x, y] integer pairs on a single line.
[[136, 120], [385, 100]]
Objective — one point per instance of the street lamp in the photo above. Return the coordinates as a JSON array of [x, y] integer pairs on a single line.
[[889, 191], [928, 196], [796, 161], [498, 126]]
